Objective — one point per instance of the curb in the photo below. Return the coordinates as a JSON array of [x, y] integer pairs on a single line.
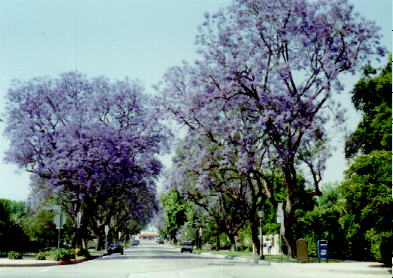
[[29, 264], [251, 261], [72, 261], [205, 254]]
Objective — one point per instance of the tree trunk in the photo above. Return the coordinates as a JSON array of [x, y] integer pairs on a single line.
[[100, 242], [287, 234], [84, 243], [254, 225], [233, 242], [197, 239], [218, 246]]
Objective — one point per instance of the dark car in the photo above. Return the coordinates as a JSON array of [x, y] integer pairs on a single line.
[[135, 242], [186, 247], [160, 241], [115, 248]]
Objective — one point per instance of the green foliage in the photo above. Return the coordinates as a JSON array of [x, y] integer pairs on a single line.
[[245, 239], [12, 255], [41, 256], [323, 223], [372, 96], [224, 241], [367, 191], [63, 254], [175, 211], [40, 227], [355, 217], [12, 233]]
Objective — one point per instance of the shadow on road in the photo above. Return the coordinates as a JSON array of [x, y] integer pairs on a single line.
[[160, 256]]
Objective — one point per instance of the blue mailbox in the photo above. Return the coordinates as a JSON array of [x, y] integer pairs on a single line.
[[323, 250]]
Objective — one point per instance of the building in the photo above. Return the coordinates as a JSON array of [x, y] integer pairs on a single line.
[[149, 233]]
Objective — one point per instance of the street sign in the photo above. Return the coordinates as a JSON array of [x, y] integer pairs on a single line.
[[59, 220]]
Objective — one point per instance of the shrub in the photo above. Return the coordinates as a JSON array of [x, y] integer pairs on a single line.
[[12, 255], [41, 256], [63, 254]]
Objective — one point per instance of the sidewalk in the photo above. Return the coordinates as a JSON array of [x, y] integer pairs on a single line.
[[367, 268], [370, 268], [5, 262]]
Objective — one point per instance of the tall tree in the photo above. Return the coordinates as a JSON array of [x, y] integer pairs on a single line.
[[12, 234], [94, 141], [367, 189], [372, 96], [368, 207], [175, 211], [275, 64]]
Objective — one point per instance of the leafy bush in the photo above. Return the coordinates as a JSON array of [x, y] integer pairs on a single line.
[[12, 255], [41, 256], [63, 254]]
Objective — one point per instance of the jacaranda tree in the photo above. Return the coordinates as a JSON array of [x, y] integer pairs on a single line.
[[92, 140], [270, 69]]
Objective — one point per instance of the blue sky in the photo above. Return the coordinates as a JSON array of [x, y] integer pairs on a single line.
[[135, 38]]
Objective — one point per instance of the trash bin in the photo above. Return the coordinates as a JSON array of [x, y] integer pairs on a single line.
[[323, 250]]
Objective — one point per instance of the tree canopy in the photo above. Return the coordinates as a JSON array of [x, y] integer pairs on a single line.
[[263, 84], [372, 96], [89, 141]]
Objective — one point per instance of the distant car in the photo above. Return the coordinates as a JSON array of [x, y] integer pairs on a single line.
[[115, 248], [160, 241], [135, 242], [186, 247]]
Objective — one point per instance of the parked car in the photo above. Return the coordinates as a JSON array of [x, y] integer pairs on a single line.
[[115, 248], [135, 242], [160, 241], [186, 247]]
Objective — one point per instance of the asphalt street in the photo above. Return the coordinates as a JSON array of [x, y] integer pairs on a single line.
[[152, 260]]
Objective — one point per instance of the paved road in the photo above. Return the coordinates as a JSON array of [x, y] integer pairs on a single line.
[[151, 260]]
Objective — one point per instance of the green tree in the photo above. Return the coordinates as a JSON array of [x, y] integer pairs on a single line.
[[41, 228], [367, 189], [372, 96], [175, 211], [323, 223], [368, 206], [12, 234]]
